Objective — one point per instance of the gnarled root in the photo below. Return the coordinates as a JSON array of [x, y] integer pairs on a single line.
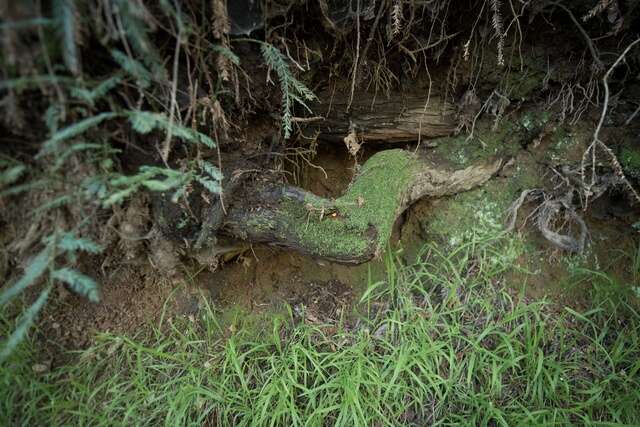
[[354, 227]]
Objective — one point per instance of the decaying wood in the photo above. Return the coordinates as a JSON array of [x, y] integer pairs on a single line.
[[401, 117], [282, 215], [350, 229]]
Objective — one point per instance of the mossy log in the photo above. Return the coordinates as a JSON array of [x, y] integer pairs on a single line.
[[353, 228], [400, 117]]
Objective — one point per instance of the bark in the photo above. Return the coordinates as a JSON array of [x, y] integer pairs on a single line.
[[355, 227], [401, 117]]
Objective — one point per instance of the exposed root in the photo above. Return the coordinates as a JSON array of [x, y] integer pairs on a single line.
[[547, 213], [549, 210], [355, 227], [567, 196], [597, 142]]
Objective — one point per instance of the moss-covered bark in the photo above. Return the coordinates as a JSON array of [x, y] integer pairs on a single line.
[[355, 227]]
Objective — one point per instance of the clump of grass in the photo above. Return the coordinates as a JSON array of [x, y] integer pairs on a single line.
[[438, 342]]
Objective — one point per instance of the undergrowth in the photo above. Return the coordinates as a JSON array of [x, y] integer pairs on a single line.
[[80, 125], [440, 342]]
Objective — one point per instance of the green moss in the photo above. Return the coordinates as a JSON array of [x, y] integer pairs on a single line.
[[534, 121], [524, 76], [522, 85], [567, 144], [370, 205], [375, 196], [630, 160], [479, 214], [262, 223], [487, 142], [477, 211]]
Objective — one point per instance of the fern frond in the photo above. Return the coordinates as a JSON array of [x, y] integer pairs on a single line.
[[26, 24], [160, 185], [82, 146], [91, 96], [144, 122], [119, 196], [69, 242], [227, 53], [172, 178], [52, 118], [173, 11], [162, 179], [209, 184], [11, 174], [211, 170], [26, 320], [79, 283], [137, 24], [133, 67], [149, 177], [53, 204], [34, 270], [73, 130], [20, 84], [65, 14], [22, 188]]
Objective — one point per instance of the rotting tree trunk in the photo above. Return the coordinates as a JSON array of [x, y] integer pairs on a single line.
[[401, 117], [355, 227]]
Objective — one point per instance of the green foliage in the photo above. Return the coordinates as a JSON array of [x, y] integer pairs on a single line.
[[23, 188], [145, 122], [26, 23], [226, 52], [211, 178], [91, 96], [137, 24], [23, 83], [70, 151], [212, 186], [630, 160], [65, 15], [116, 188], [293, 90], [134, 68], [436, 343], [52, 117], [78, 164], [36, 268], [150, 177], [58, 248], [163, 180], [69, 243], [24, 323], [10, 173], [74, 130], [78, 282], [211, 170]]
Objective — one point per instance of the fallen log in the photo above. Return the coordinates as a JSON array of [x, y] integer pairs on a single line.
[[398, 118], [355, 227]]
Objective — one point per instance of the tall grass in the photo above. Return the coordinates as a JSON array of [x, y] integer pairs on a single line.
[[441, 342]]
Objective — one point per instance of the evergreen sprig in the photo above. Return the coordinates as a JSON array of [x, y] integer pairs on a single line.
[[293, 90]]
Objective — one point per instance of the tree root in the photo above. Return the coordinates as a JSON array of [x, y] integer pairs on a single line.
[[355, 227], [547, 212]]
